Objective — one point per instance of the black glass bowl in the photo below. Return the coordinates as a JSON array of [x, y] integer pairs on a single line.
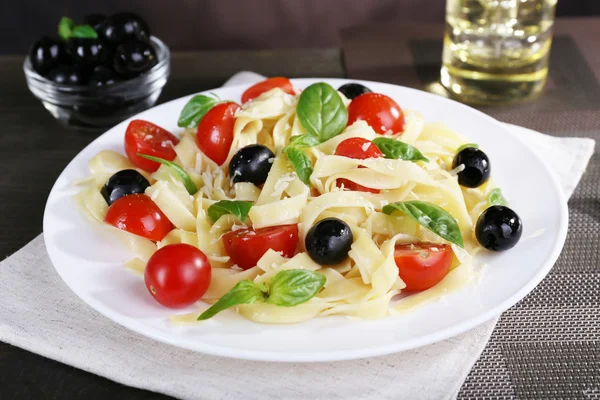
[[95, 108]]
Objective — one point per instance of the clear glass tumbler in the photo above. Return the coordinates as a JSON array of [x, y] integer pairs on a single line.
[[496, 51]]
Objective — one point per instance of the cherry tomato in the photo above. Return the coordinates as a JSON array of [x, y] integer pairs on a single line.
[[422, 265], [247, 246], [379, 111], [146, 138], [360, 149], [138, 214], [177, 275], [254, 91], [215, 131]]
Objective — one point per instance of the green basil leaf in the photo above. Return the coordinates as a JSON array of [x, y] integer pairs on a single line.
[[496, 198], [431, 216], [65, 26], [239, 209], [321, 111], [195, 109], [398, 150], [190, 186], [245, 292], [300, 162], [294, 286], [303, 141], [467, 145], [84, 32]]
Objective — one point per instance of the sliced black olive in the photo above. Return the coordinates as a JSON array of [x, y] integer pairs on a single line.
[[251, 164], [69, 75], [123, 183], [477, 167], [94, 20], [86, 51], [122, 27], [328, 241], [133, 58], [498, 228], [46, 54], [103, 76], [352, 90]]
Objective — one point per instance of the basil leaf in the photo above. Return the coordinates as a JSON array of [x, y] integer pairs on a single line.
[[467, 145], [303, 141], [496, 198], [195, 109], [190, 186], [65, 26], [294, 286], [431, 216], [245, 292], [300, 162], [321, 111], [239, 209], [84, 32], [398, 150]]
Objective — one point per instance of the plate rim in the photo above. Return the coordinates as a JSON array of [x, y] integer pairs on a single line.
[[335, 355]]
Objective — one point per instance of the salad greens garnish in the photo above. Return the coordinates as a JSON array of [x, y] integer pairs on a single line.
[[195, 109], [397, 150], [286, 289], [323, 115], [238, 208], [190, 186], [430, 216]]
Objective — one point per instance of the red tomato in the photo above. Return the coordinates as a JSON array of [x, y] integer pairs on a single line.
[[422, 265], [360, 149], [254, 91], [247, 246], [177, 275], [138, 214], [215, 131], [379, 111], [146, 138]]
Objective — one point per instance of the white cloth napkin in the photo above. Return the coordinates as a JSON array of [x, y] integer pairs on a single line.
[[39, 313]]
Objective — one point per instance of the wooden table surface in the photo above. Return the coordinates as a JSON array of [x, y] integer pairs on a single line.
[[34, 149]]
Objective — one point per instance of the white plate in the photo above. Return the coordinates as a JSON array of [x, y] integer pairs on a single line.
[[90, 262]]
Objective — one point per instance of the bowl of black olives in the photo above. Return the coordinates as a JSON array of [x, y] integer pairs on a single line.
[[98, 73]]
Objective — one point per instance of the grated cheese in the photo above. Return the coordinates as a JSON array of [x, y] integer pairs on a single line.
[[458, 169], [282, 184]]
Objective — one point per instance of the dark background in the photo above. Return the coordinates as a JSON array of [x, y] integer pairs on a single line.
[[234, 24]]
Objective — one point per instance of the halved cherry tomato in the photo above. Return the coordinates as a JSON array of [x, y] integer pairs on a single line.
[[246, 246], [177, 275], [254, 91], [422, 265], [215, 131], [146, 138], [379, 111], [138, 214], [360, 149]]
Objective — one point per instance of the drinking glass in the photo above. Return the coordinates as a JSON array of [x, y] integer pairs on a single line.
[[496, 51]]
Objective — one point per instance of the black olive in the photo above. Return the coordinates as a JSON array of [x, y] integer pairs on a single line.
[[103, 76], [46, 54], [477, 167], [68, 75], [352, 90], [94, 20], [133, 58], [122, 27], [251, 164], [328, 241], [86, 51], [498, 228], [123, 183]]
